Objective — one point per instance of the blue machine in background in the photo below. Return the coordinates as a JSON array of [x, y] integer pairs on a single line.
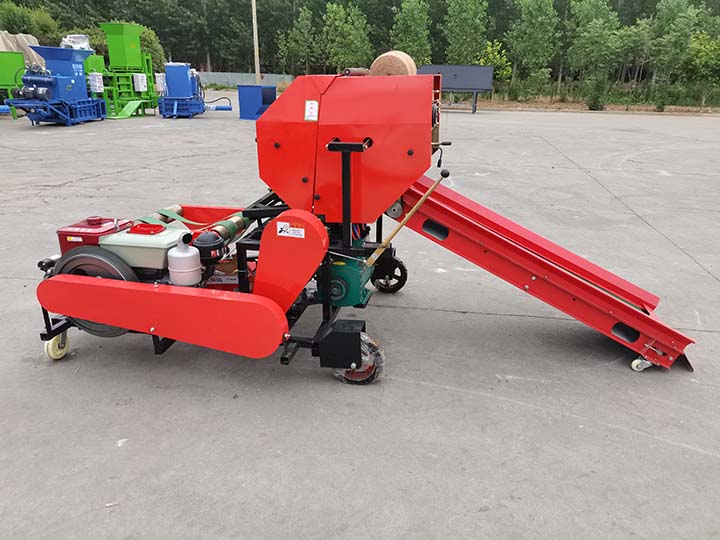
[[184, 95], [58, 94], [255, 100]]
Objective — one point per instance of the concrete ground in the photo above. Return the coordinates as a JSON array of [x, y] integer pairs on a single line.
[[499, 417]]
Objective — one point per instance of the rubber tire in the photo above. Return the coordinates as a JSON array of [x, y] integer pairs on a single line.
[[392, 288], [53, 350], [98, 262]]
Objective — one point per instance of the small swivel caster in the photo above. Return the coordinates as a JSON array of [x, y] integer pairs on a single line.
[[390, 275], [57, 347], [640, 364]]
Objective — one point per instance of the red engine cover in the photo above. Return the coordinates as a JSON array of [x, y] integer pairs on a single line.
[[88, 231], [395, 112]]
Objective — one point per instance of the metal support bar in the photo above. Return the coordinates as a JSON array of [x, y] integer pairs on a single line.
[[347, 148], [160, 345], [243, 278], [54, 326], [346, 200]]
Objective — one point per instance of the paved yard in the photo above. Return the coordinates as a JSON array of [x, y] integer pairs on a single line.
[[499, 417]]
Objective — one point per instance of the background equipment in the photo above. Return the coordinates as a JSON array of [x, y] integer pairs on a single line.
[[254, 100], [129, 79], [57, 94], [184, 95], [339, 152], [12, 66]]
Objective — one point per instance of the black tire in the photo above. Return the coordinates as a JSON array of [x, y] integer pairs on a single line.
[[389, 279], [95, 262]]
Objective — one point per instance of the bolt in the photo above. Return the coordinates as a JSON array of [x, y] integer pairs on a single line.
[[526, 287], [533, 278], [411, 152], [317, 197], [353, 365], [286, 336], [304, 179], [152, 328], [156, 284], [277, 145]]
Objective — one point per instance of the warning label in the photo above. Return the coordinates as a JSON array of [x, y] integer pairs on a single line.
[[312, 110], [293, 230]]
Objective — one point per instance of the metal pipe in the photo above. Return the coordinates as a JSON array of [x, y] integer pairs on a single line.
[[229, 228]]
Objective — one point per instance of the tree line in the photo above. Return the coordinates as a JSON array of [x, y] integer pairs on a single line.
[[646, 50]]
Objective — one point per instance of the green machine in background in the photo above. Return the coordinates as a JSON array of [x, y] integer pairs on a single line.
[[12, 68], [129, 79]]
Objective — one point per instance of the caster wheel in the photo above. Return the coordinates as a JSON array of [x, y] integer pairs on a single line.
[[389, 277], [373, 363], [57, 347], [639, 364]]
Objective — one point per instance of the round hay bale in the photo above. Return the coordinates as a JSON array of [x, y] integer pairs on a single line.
[[393, 63]]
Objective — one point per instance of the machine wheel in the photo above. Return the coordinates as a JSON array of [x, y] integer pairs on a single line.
[[57, 347], [390, 277], [639, 364], [95, 262], [373, 363]]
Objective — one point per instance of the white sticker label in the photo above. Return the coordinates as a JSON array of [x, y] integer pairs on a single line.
[[312, 110], [73, 239], [290, 229], [223, 279]]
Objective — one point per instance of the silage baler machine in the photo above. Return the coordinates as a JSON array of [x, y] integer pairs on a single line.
[[58, 93], [338, 153], [184, 95]]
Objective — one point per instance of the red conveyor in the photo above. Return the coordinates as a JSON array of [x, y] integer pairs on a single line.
[[609, 304]]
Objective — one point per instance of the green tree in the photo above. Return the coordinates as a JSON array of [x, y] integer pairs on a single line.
[[501, 15], [704, 65], [675, 23], [594, 48], [495, 55], [465, 29], [298, 49], [380, 15], [533, 38], [151, 45], [345, 37], [634, 48], [630, 11], [411, 32], [16, 19], [47, 30]]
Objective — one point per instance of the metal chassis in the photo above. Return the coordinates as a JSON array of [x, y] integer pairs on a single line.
[[336, 342]]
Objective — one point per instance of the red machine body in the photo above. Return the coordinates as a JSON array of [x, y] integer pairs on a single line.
[[395, 113], [338, 152], [197, 316], [88, 231]]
